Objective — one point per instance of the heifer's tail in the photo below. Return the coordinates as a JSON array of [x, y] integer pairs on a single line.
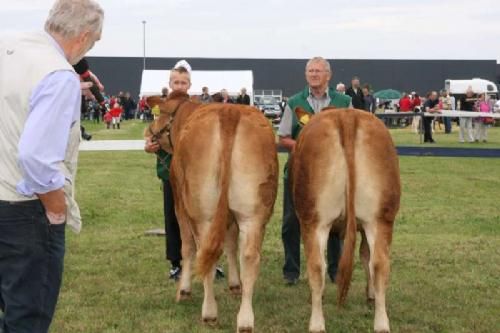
[[347, 133], [212, 244]]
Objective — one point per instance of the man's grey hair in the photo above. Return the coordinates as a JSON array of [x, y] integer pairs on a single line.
[[70, 18], [322, 60]]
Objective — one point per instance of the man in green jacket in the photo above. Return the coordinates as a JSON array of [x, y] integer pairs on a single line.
[[312, 99]]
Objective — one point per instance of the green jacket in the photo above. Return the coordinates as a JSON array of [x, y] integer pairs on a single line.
[[300, 99], [163, 160]]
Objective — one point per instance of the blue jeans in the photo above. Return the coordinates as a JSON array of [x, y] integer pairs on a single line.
[[31, 267], [447, 124]]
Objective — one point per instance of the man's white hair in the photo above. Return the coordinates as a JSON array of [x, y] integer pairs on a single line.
[[70, 18], [321, 60]]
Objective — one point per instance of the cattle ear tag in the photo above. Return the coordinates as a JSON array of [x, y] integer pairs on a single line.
[[304, 119]]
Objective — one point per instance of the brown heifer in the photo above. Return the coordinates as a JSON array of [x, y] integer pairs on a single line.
[[224, 177], [345, 175]]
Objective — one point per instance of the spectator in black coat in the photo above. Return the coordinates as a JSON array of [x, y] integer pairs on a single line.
[[243, 98], [128, 106], [356, 94]]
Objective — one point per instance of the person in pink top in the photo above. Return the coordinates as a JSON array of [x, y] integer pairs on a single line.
[[480, 126]]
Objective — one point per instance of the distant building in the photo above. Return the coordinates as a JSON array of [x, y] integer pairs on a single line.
[[124, 73]]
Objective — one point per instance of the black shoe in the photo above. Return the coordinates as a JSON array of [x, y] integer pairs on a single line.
[[219, 273], [175, 273], [291, 281]]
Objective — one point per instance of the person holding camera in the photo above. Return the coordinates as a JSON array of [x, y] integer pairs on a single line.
[[39, 140]]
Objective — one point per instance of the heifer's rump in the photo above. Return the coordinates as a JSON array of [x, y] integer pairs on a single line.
[[345, 172]]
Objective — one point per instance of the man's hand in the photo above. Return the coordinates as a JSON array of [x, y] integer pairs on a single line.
[[287, 142], [55, 205], [85, 86], [435, 110], [150, 146]]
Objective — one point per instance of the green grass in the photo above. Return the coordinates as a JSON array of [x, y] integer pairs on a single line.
[[405, 137], [129, 130], [445, 257]]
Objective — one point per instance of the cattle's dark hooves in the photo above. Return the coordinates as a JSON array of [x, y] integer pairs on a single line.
[[184, 295], [245, 330], [370, 301], [210, 321], [235, 290], [384, 331], [322, 331]]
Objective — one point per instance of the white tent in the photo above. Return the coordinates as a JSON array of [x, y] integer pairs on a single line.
[[154, 80]]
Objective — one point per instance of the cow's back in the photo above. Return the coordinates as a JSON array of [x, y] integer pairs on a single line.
[[320, 169], [196, 165]]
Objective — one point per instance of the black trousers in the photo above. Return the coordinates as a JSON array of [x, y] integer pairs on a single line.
[[290, 234], [173, 238], [427, 129], [31, 267]]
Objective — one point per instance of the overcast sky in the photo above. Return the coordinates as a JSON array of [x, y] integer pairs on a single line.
[[366, 29]]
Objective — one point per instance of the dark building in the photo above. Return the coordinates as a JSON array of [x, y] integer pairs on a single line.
[[124, 74]]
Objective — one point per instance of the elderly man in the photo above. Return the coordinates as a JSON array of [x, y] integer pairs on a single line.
[[39, 138], [312, 99], [243, 97], [340, 88]]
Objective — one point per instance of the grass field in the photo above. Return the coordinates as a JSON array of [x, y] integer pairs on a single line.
[[445, 255]]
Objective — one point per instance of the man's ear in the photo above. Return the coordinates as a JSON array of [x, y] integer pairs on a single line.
[[152, 101], [302, 115]]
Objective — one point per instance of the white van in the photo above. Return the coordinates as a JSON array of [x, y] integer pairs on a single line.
[[459, 87]]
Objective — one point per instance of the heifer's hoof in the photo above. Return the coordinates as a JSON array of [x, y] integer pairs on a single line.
[[322, 331], [183, 295], [370, 301], [235, 290], [245, 329], [383, 331], [210, 321]]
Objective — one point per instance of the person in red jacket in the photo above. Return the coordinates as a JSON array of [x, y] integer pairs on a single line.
[[405, 104], [415, 103], [108, 118], [116, 113]]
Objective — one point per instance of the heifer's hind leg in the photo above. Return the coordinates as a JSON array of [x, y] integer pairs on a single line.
[[209, 307], [364, 255], [188, 254], [231, 248], [379, 236], [315, 238], [188, 251], [251, 235]]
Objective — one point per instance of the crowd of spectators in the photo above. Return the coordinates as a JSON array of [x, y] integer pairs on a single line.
[[123, 107]]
